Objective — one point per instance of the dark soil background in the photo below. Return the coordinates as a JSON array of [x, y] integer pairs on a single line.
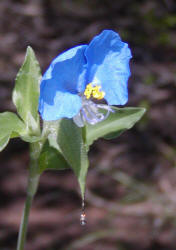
[[131, 184]]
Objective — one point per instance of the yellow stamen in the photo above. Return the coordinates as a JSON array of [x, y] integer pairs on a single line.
[[95, 92]]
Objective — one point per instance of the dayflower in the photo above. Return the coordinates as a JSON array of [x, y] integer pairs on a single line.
[[78, 78]]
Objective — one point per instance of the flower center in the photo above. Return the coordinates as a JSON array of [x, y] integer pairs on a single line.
[[93, 91]]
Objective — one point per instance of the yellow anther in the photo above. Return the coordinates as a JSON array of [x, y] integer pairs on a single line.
[[95, 92], [88, 91]]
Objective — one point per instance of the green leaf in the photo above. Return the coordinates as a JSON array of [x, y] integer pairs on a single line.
[[71, 143], [4, 141], [113, 135], [10, 126], [50, 158], [10, 122], [65, 137], [26, 92], [117, 122]]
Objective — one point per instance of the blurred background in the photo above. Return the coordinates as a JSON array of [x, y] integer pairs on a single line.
[[131, 184]]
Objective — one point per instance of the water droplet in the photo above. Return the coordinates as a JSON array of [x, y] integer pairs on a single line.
[[83, 221]]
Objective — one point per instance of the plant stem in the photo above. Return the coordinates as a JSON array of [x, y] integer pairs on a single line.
[[24, 223], [33, 181]]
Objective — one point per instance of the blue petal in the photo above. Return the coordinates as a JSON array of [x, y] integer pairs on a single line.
[[108, 66], [65, 105], [61, 83]]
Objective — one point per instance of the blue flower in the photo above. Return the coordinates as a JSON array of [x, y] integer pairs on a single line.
[[83, 74]]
